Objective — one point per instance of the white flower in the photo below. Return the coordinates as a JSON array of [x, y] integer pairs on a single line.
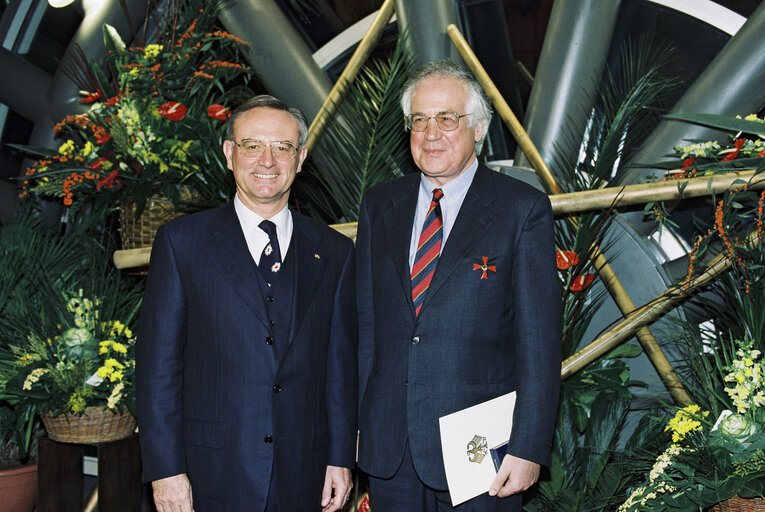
[[276, 266], [268, 250]]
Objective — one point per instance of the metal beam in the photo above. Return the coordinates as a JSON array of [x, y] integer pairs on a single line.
[[574, 51], [426, 22], [281, 59]]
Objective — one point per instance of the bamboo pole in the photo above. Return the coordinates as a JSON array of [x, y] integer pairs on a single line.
[[575, 202], [607, 274], [646, 314], [359, 57], [504, 111]]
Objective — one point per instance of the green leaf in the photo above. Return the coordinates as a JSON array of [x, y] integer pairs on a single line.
[[722, 122], [112, 39]]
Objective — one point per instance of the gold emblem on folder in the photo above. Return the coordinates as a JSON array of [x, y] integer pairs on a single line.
[[477, 449]]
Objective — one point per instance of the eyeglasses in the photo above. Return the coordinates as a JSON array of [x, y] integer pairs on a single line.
[[284, 151], [446, 121]]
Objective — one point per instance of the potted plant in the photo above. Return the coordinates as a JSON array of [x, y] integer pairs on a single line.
[[155, 125]]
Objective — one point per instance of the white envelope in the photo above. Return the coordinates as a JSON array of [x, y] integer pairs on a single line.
[[491, 420]]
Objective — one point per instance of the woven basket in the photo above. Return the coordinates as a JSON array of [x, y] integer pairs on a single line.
[[96, 425], [737, 504], [141, 232]]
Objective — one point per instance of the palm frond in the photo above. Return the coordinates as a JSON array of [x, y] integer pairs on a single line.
[[365, 144]]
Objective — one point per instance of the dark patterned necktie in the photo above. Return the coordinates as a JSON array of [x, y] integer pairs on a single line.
[[428, 249], [271, 258]]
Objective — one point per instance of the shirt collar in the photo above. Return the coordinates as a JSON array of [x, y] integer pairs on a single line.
[[251, 220], [460, 183]]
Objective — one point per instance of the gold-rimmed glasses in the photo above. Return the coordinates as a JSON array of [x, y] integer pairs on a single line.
[[282, 150]]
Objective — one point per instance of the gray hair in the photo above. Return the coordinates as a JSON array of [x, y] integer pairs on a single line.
[[477, 104], [267, 101]]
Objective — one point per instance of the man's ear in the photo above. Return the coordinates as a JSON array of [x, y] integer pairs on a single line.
[[228, 151], [301, 156], [479, 129]]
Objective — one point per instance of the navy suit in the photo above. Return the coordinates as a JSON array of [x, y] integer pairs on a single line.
[[475, 339], [225, 395]]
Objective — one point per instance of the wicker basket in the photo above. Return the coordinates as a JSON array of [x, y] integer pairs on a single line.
[[141, 232], [737, 504], [96, 425]]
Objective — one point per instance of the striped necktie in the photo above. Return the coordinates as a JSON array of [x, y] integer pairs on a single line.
[[428, 249]]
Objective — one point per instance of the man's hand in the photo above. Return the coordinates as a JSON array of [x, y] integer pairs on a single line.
[[515, 475], [337, 488], [173, 494]]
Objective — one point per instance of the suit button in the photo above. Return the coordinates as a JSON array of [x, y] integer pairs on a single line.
[[277, 388], [415, 340], [268, 440], [269, 341], [269, 299], [272, 323]]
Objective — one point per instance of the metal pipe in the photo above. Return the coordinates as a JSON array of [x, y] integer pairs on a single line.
[[281, 59], [574, 52], [359, 57], [424, 21]]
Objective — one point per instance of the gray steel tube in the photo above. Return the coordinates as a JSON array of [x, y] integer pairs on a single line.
[[281, 59], [576, 44], [731, 84], [426, 21]]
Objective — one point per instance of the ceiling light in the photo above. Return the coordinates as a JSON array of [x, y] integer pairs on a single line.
[[59, 3]]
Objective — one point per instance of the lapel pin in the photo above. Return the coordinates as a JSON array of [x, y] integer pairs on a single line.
[[484, 267], [315, 255]]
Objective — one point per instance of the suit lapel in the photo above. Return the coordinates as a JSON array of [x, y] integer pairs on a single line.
[[229, 251], [308, 252], [473, 220], [398, 219]]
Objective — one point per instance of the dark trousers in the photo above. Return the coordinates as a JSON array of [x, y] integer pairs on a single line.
[[405, 492]]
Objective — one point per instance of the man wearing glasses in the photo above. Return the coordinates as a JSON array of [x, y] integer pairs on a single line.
[[458, 304], [246, 361]]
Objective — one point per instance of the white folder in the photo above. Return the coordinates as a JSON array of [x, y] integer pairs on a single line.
[[467, 436]]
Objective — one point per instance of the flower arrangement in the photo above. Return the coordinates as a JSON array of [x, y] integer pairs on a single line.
[[155, 122], [90, 362], [704, 464]]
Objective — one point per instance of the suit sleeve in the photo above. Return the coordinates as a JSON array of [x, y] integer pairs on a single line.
[[159, 364], [342, 376], [364, 294], [537, 328]]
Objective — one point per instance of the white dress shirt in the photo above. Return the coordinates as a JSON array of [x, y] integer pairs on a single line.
[[454, 193], [256, 238]]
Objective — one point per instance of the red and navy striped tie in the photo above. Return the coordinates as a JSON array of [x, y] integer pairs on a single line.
[[428, 249]]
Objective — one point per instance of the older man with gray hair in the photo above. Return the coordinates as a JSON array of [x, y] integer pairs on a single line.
[[458, 303]]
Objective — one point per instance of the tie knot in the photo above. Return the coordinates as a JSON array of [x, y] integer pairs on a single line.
[[269, 227], [437, 194]]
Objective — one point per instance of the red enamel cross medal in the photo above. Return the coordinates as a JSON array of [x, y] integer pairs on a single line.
[[484, 267]]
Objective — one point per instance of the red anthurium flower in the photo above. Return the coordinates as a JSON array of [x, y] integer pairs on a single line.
[[688, 162], [103, 139], [218, 112], [739, 143], [566, 259], [92, 97], [98, 164], [730, 156], [112, 101], [109, 181], [172, 110], [761, 153], [581, 282]]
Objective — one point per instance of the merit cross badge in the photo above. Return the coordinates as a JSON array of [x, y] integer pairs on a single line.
[[484, 267], [477, 449]]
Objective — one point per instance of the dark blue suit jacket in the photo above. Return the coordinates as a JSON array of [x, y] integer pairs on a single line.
[[475, 339], [211, 390]]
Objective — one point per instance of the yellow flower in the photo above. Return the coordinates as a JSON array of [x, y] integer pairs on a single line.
[[152, 51], [104, 372], [67, 147], [76, 403], [119, 347], [115, 376], [33, 377], [89, 147], [684, 422], [27, 359], [113, 363]]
